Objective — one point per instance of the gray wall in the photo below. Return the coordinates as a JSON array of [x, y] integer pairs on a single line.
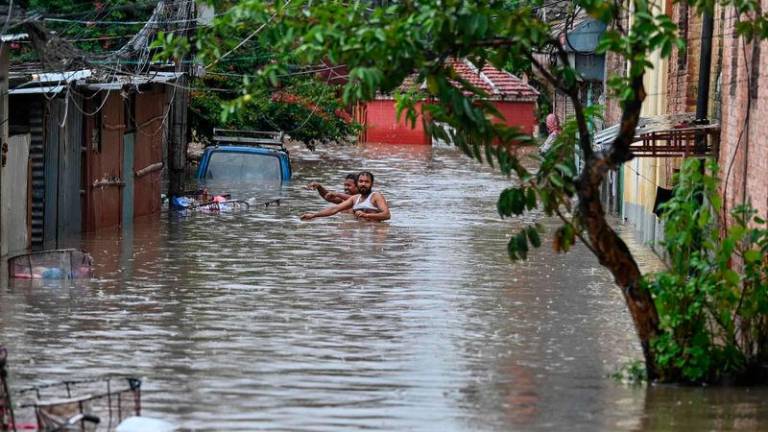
[[14, 193]]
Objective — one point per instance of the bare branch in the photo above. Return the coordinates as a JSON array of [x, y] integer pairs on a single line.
[[585, 141], [547, 74], [578, 232]]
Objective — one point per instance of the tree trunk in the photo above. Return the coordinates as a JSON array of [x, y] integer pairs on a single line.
[[614, 255], [610, 249]]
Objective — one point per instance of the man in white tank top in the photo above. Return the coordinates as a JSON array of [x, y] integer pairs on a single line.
[[366, 204]]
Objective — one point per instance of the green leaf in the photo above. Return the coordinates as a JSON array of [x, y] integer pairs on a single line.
[[522, 244], [556, 180], [752, 256], [512, 249], [489, 155], [517, 204], [432, 84], [469, 110], [530, 203], [732, 277], [533, 236], [565, 169]]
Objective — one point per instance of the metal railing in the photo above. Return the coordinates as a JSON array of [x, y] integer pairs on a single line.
[[249, 137]]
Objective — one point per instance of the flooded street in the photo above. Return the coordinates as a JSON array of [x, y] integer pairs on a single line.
[[260, 321]]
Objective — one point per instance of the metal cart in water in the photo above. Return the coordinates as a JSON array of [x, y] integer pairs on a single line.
[[88, 405], [81, 405]]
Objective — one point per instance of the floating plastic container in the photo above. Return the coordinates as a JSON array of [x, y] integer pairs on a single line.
[[52, 264]]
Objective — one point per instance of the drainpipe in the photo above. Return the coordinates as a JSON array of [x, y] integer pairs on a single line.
[[705, 63], [4, 64], [702, 99]]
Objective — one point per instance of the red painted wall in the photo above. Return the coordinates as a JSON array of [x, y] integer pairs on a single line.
[[518, 114], [380, 125], [379, 118]]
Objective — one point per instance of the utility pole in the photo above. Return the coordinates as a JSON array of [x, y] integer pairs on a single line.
[[4, 61], [178, 132]]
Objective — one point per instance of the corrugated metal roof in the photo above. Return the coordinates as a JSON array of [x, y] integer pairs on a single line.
[[14, 37], [669, 134], [68, 76], [37, 90], [120, 81]]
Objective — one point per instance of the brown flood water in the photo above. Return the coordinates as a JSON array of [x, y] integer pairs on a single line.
[[257, 321]]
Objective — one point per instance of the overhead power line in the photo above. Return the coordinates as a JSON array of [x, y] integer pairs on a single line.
[[98, 22]]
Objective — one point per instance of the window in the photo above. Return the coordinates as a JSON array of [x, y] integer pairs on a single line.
[[243, 166]]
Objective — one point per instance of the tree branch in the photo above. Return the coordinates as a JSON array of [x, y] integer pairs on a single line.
[[546, 73], [578, 232], [585, 141]]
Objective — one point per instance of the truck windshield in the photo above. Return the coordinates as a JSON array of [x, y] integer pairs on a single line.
[[243, 166]]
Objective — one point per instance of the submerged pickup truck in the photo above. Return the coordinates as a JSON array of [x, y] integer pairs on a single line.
[[247, 156]]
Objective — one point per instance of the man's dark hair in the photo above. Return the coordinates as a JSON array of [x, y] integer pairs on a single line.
[[367, 174], [352, 177]]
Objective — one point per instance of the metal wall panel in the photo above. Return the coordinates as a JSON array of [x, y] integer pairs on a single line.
[[37, 167], [148, 154], [15, 208], [128, 151], [63, 144], [105, 152], [54, 114], [70, 171]]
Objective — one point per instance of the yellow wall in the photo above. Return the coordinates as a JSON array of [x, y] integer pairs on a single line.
[[642, 175]]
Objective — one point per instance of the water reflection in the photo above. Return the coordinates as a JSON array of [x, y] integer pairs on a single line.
[[256, 320]]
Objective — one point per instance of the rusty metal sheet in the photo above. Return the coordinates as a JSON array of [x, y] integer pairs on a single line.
[[668, 135], [105, 153], [148, 152]]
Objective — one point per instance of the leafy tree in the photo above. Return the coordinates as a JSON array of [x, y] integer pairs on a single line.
[[714, 320], [90, 25], [305, 107], [309, 108], [383, 43]]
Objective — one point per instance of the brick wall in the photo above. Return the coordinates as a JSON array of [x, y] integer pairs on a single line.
[[615, 65], [743, 152], [684, 64]]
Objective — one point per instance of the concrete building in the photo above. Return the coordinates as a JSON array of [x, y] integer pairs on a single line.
[[743, 154], [668, 119]]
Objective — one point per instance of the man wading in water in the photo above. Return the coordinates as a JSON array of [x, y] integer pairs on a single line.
[[350, 188], [366, 205]]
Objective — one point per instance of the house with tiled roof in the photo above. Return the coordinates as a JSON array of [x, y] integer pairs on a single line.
[[514, 98]]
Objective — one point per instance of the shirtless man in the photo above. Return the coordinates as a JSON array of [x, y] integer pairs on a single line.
[[366, 205], [350, 188]]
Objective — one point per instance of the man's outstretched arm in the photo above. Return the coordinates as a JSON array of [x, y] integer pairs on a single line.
[[330, 211], [336, 197], [319, 188]]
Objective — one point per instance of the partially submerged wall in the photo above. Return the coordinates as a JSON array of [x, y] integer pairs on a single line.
[[15, 192]]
